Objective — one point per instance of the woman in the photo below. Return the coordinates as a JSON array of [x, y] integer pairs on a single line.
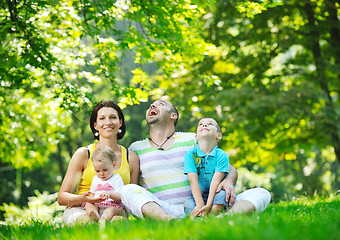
[[108, 126]]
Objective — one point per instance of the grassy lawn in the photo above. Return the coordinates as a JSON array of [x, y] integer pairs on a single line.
[[300, 219]]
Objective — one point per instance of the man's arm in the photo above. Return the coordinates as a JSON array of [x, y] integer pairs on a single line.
[[228, 185]]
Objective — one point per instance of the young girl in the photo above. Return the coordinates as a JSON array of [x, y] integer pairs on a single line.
[[105, 185]]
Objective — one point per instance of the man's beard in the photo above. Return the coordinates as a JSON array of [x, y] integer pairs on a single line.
[[157, 119], [152, 121]]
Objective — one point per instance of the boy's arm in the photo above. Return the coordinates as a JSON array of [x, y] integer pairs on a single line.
[[228, 185], [216, 180], [195, 188]]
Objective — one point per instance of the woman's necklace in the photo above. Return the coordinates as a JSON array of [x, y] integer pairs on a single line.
[[160, 146]]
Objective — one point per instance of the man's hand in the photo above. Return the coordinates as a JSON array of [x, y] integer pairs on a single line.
[[230, 193]]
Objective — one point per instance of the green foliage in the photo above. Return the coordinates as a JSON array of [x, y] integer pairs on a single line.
[[43, 207], [267, 71], [58, 54], [303, 218], [273, 81], [59, 58]]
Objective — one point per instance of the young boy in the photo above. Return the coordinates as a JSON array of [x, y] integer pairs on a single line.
[[107, 185], [206, 166]]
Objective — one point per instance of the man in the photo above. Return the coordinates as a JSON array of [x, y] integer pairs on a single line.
[[166, 187]]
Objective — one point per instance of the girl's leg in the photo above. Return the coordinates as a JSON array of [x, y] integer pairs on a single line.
[[92, 211]]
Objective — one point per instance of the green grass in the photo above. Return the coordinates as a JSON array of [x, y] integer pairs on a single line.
[[300, 219]]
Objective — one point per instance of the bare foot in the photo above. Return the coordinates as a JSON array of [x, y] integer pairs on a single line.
[[115, 218], [94, 216]]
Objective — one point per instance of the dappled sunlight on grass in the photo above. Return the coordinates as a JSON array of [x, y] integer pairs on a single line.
[[304, 218]]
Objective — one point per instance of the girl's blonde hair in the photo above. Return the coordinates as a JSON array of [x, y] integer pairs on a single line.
[[102, 153]]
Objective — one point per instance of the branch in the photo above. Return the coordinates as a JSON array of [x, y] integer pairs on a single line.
[[12, 10]]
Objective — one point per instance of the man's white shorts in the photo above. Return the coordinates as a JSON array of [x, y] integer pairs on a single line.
[[260, 197], [134, 197]]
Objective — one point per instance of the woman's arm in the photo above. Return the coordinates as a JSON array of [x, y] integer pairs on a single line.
[[134, 167], [73, 175]]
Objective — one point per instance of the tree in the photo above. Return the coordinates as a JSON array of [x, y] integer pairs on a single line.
[[61, 57], [56, 54], [276, 85], [277, 73]]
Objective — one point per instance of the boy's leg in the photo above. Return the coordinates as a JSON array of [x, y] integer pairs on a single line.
[[219, 202], [189, 205], [217, 208], [92, 211]]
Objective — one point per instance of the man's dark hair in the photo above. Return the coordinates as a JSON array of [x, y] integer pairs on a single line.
[[174, 110]]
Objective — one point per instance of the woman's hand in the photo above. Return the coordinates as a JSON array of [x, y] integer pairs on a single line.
[[106, 195], [92, 198]]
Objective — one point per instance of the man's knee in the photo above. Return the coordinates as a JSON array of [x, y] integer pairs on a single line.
[[264, 200], [259, 197], [150, 207], [155, 211], [243, 206]]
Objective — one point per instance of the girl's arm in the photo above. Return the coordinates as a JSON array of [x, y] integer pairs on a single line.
[[196, 192], [73, 175], [134, 167], [110, 194]]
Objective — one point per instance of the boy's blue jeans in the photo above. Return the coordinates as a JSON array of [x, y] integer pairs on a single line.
[[219, 198]]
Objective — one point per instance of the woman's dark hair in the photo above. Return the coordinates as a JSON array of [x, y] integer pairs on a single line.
[[94, 115]]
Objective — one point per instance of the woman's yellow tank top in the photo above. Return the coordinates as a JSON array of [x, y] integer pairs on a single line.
[[88, 173]]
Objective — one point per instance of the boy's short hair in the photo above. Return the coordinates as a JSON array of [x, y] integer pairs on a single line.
[[218, 130], [103, 152], [218, 127]]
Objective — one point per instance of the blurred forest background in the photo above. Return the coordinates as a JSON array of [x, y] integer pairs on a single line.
[[268, 71]]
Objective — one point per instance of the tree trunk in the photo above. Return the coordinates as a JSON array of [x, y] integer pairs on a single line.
[[314, 37], [334, 41], [60, 161]]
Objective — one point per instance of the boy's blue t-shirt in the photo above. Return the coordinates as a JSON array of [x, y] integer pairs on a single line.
[[205, 166]]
